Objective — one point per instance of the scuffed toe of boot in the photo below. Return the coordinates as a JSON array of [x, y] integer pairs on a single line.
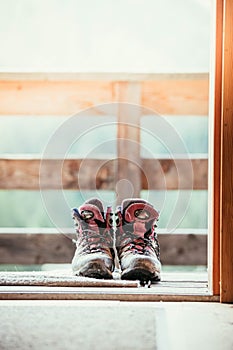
[[95, 269], [143, 269], [95, 265]]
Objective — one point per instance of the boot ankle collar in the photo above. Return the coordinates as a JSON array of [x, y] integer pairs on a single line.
[[94, 211], [140, 212]]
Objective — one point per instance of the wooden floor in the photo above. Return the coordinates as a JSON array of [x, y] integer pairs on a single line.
[[62, 285]]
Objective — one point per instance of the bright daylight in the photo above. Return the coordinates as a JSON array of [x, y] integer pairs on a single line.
[[115, 189]]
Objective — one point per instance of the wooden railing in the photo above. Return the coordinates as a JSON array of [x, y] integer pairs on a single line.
[[63, 94], [66, 94]]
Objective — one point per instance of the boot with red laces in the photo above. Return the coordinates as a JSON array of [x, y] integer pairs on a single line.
[[137, 242], [94, 256]]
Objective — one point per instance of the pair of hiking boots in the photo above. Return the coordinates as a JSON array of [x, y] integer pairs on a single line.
[[130, 232]]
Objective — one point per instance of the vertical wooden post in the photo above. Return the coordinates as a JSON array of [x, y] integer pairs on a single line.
[[226, 238], [128, 180], [217, 98]]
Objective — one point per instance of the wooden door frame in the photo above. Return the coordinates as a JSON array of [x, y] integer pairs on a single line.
[[222, 242]]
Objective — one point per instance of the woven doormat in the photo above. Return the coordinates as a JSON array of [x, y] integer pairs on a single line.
[[63, 278]]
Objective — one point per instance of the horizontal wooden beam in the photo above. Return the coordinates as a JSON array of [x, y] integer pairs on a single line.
[[89, 174], [123, 294], [102, 76], [181, 97], [67, 94], [38, 247], [52, 97], [186, 249], [172, 174]]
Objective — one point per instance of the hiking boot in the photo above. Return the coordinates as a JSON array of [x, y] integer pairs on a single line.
[[94, 256], [137, 242]]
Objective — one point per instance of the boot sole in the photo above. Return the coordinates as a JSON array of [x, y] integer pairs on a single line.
[[141, 275]]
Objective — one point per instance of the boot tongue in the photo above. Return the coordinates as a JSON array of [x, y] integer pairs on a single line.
[[90, 212], [140, 211]]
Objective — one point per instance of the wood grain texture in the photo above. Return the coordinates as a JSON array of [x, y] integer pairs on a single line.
[[40, 248], [172, 174], [217, 103], [41, 95], [96, 76], [52, 97], [69, 293], [175, 286], [226, 249], [182, 97], [187, 249], [128, 175], [35, 249], [89, 174]]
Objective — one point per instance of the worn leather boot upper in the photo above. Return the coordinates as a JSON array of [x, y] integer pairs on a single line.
[[137, 242], [94, 256]]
